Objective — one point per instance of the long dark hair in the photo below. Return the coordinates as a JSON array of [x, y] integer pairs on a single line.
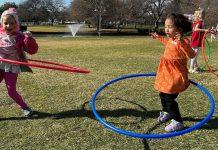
[[180, 22]]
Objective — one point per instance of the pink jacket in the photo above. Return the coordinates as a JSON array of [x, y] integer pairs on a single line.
[[24, 43], [15, 50]]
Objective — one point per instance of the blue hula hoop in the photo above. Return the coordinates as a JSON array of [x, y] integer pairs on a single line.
[[151, 136]]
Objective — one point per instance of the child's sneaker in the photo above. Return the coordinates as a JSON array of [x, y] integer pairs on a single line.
[[195, 70], [190, 70], [164, 117], [27, 112], [174, 126]]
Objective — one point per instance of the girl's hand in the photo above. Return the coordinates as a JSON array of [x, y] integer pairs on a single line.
[[178, 36], [207, 30], [27, 33], [154, 35]]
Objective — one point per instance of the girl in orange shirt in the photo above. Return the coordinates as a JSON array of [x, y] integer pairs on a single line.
[[172, 73]]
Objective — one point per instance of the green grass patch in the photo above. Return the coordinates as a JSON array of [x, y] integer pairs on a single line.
[[83, 29], [59, 28], [62, 99]]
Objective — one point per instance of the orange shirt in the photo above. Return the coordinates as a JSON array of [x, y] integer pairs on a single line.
[[172, 73]]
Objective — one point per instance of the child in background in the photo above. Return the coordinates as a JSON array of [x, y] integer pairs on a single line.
[[197, 38], [13, 43], [172, 73], [213, 33]]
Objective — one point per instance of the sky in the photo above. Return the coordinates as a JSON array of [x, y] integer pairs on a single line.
[[67, 2]]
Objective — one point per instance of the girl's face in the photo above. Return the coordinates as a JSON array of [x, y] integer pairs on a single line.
[[9, 24], [199, 15], [170, 29]]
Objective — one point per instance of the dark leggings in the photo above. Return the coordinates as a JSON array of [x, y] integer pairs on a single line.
[[170, 105]]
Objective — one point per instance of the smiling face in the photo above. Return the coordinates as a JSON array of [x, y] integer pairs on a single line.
[[9, 24], [170, 29]]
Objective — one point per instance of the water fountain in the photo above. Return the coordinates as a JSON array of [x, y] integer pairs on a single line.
[[74, 28]]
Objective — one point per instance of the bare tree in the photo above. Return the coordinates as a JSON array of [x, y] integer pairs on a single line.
[[6, 6], [95, 12], [32, 11], [211, 13], [120, 12], [54, 8], [175, 6], [156, 9], [82, 10]]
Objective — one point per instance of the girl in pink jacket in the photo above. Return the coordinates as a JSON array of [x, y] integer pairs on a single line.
[[13, 43]]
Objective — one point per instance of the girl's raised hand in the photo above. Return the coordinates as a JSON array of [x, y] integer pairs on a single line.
[[178, 36], [154, 35], [27, 33]]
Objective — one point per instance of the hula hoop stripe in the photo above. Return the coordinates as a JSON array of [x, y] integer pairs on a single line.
[[204, 56], [60, 67], [151, 136]]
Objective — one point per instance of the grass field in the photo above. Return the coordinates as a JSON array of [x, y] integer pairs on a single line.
[[84, 29], [64, 119]]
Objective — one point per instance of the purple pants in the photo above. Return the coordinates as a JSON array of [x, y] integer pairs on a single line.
[[11, 81]]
